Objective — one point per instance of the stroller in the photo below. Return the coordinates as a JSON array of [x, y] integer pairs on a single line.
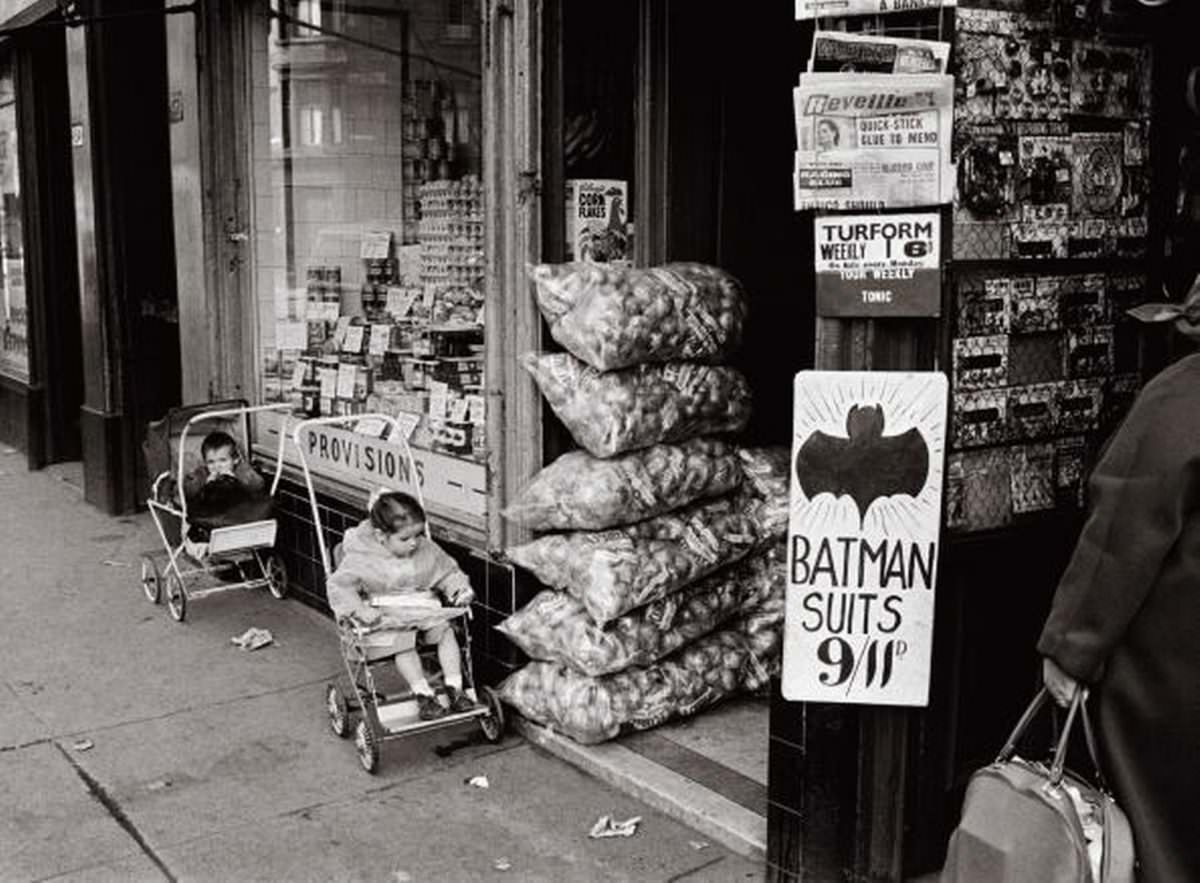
[[236, 556], [393, 714]]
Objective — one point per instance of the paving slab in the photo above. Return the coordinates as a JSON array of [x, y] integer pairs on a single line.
[[234, 764], [532, 821], [50, 823], [18, 724]]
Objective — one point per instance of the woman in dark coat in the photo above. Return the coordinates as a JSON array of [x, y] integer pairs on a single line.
[[1126, 620]]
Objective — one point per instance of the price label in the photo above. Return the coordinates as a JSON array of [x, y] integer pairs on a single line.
[[458, 410], [353, 340], [376, 245], [477, 408], [345, 380], [329, 382], [381, 336]]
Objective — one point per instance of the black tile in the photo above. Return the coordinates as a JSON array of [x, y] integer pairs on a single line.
[[787, 718], [785, 774], [785, 838], [525, 587]]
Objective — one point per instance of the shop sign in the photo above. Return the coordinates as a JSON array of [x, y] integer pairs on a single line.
[[817, 8], [878, 265], [365, 461], [867, 463]]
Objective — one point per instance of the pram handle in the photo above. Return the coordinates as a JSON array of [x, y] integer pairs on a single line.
[[398, 434], [243, 412]]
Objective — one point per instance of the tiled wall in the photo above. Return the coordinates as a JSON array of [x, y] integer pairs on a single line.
[[499, 588]]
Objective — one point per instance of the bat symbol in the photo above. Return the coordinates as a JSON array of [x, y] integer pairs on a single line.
[[865, 466]]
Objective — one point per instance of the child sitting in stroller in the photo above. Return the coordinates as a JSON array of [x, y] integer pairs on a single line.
[[223, 489], [389, 553]]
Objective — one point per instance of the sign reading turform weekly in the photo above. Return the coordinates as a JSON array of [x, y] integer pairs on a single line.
[[815, 8], [878, 265], [866, 495]]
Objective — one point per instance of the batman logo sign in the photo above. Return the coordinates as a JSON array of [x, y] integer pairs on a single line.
[[866, 465]]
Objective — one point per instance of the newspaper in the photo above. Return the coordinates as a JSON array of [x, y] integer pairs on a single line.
[[872, 141], [840, 51], [816, 8]]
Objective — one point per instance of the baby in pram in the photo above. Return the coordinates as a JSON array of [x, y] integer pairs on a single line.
[[389, 553], [221, 490]]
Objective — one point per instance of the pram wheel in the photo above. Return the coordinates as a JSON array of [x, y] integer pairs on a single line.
[[151, 580], [339, 713], [275, 573], [492, 723], [176, 597], [367, 745]]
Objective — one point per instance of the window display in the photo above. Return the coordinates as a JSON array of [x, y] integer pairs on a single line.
[[14, 318], [369, 224]]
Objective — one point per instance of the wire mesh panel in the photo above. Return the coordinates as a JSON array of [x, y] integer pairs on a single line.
[[1050, 136], [1050, 140], [1043, 367]]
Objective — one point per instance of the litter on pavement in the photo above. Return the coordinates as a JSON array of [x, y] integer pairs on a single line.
[[606, 827], [108, 562], [479, 782], [253, 638], [502, 864], [83, 744]]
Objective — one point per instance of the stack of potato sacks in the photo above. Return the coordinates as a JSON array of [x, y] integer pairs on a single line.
[[662, 542]]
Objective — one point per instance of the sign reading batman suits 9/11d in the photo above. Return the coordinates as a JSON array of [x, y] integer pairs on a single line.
[[878, 265], [866, 490]]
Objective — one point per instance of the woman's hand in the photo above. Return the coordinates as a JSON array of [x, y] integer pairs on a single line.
[[1060, 684]]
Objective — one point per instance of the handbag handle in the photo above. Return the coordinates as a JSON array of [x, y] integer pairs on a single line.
[[1078, 703]]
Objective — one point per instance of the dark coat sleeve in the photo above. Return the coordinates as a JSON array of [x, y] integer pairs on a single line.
[[1142, 491]]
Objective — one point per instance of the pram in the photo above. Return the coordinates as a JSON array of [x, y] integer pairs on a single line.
[[235, 556], [391, 715]]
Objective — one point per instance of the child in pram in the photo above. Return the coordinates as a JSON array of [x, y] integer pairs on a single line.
[[390, 553], [223, 489]]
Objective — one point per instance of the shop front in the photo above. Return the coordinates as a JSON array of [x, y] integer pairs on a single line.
[[40, 376], [361, 190]]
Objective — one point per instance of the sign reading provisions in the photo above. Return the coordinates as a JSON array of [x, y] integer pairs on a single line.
[[878, 265], [363, 460], [867, 461]]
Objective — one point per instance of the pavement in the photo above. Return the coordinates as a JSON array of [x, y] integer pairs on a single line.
[[136, 748]]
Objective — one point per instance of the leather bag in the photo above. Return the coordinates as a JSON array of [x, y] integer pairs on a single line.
[[1021, 824]]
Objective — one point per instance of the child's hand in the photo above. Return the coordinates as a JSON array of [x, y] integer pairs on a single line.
[[369, 616], [463, 598]]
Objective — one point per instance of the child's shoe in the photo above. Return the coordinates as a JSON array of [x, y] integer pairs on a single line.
[[428, 708], [460, 702]]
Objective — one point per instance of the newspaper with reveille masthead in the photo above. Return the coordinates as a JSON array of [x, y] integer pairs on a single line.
[[873, 141]]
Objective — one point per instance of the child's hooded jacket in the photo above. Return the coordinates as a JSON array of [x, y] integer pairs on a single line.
[[369, 568]]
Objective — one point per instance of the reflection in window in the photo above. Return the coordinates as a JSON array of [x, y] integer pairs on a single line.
[[369, 214], [14, 318]]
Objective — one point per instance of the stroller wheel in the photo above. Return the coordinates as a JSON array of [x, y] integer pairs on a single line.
[[151, 580], [176, 597], [367, 745], [275, 573], [339, 713], [492, 723]]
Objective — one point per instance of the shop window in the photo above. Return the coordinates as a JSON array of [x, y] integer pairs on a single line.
[[368, 227], [14, 318]]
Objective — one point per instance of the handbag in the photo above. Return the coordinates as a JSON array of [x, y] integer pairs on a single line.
[[1024, 822]]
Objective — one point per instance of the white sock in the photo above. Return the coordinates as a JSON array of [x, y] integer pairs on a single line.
[[456, 683], [422, 687]]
